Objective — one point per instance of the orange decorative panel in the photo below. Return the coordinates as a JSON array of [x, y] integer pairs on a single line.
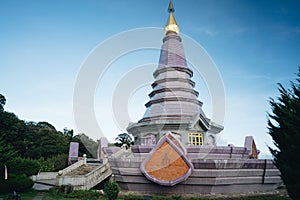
[[167, 164]]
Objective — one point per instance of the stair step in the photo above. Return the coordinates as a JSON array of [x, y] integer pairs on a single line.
[[41, 187]]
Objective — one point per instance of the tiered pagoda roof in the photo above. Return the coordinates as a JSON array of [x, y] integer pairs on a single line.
[[173, 104], [173, 96]]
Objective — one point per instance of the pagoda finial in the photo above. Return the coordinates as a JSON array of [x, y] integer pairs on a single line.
[[171, 7], [171, 26]]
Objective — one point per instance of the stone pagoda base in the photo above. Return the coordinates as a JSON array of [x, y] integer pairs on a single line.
[[216, 170]]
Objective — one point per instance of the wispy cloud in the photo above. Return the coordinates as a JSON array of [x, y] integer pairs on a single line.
[[248, 76], [256, 77], [211, 31], [207, 31]]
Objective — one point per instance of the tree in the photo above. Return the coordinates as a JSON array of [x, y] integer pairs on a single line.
[[284, 127], [69, 134], [12, 131], [123, 138], [46, 125], [6, 154], [18, 170], [2, 102], [111, 190]]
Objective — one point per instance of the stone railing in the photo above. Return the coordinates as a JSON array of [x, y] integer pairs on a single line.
[[53, 175], [86, 182], [44, 176], [72, 167]]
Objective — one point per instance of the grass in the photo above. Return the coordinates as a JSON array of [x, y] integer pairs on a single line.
[[24, 196]]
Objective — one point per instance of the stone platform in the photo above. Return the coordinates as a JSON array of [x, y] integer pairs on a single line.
[[216, 170]]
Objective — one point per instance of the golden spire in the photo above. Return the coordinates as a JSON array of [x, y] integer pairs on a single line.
[[171, 26]]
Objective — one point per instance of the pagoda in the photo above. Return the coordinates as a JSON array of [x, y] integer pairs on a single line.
[[175, 149], [174, 104]]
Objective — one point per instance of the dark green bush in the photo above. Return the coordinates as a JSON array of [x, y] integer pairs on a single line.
[[133, 197], [177, 197], [79, 194], [21, 166], [111, 190], [54, 163], [18, 183], [63, 190], [161, 198]]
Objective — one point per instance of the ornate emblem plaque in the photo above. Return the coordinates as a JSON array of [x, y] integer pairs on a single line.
[[167, 164]]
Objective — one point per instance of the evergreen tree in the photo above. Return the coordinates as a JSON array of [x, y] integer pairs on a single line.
[[2, 102], [123, 138], [6, 154], [284, 127]]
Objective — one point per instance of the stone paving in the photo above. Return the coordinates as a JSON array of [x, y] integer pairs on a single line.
[[39, 196], [42, 186], [253, 195]]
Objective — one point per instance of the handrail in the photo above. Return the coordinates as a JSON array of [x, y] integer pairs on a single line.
[[87, 181]]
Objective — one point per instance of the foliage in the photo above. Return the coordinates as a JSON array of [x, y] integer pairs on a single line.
[[36, 140], [17, 168], [111, 190], [20, 166], [63, 189], [133, 197], [12, 132], [28, 195], [174, 197], [161, 198], [18, 183], [44, 141], [27, 147], [84, 194], [2, 102], [54, 163], [67, 192], [6, 154], [285, 130], [123, 138]]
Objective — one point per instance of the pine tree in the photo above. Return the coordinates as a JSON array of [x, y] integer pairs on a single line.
[[284, 127]]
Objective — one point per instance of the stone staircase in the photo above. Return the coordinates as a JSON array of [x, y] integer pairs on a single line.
[[82, 175]]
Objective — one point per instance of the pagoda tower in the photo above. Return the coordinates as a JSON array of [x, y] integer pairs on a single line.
[[174, 104]]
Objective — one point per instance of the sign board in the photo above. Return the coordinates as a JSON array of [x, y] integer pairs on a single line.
[[73, 152]]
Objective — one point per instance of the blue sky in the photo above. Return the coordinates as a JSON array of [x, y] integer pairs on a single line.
[[255, 45]]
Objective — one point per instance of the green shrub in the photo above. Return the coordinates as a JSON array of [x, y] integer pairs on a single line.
[[63, 189], [54, 163], [133, 197], [21, 166], [161, 198], [79, 194], [59, 161], [111, 190], [177, 197], [46, 165], [4, 186], [18, 183]]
